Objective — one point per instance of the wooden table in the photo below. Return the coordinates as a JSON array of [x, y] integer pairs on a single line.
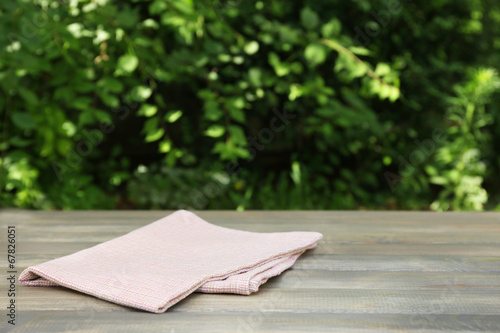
[[372, 272]]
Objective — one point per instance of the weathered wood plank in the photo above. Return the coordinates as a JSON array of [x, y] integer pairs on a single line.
[[362, 236], [133, 321], [289, 300], [322, 279], [365, 262], [304, 217], [435, 263], [439, 281], [325, 247], [318, 279], [235, 218], [357, 227], [329, 228], [332, 235]]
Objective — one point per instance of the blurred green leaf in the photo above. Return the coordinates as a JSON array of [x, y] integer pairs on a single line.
[[173, 116], [331, 29], [126, 64], [309, 18], [315, 54], [215, 131], [140, 93], [155, 135], [23, 120], [251, 47], [147, 110]]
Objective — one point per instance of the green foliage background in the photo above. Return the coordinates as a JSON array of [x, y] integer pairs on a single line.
[[174, 103]]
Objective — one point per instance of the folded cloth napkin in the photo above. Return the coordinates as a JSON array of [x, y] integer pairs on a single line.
[[156, 266]]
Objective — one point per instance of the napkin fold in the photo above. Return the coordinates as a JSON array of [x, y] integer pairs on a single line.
[[158, 265]]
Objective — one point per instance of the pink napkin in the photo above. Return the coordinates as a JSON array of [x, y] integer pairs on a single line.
[[156, 266]]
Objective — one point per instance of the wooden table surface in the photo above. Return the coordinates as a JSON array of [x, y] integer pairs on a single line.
[[372, 272]]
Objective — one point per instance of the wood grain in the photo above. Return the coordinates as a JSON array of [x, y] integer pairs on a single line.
[[133, 322], [372, 272]]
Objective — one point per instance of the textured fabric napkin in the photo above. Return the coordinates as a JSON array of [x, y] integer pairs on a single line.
[[156, 266]]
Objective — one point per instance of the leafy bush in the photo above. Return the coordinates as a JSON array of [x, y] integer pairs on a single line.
[[242, 104]]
